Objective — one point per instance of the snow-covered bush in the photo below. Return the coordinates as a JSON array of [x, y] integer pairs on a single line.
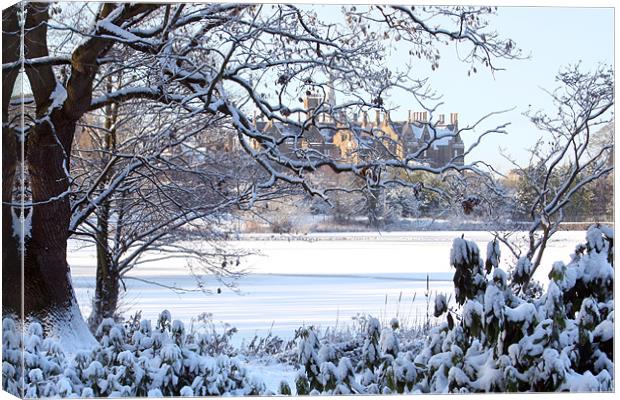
[[308, 358], [469, 276], [132, 360], [502, 340], [402, 202], [381, 368], [284, 388], [560, 340], [270, 347], [441, 305], [12, 371], [371, 354], [499, 339]]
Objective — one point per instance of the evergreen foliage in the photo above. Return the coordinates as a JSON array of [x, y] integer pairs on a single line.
[[133, 360], [558, 341], [501, 341]]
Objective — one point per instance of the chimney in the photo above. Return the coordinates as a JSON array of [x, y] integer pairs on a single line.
[[442, 119], [454, 118], [424, 116], [365, 118], [409, 119], [377, 117]]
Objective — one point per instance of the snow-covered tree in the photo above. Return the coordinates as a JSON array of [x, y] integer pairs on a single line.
[[211, 60], [175, 194], [563, 162]]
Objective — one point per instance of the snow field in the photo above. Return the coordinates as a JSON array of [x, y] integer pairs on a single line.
[[323, 280]]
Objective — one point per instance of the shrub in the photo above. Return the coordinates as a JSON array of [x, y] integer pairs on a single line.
[[503, 340], [561, 340], [132, 360]]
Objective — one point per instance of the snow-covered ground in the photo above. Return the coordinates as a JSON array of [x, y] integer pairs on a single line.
[[324, 280]]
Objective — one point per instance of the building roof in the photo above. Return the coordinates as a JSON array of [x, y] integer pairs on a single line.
[[443, 133]]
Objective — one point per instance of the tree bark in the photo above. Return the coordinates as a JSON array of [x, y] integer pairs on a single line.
[[48, 290], [11, 256], [46, 282], [105, 303]]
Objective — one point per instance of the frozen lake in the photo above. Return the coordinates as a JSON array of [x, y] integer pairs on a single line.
[[324, 281]]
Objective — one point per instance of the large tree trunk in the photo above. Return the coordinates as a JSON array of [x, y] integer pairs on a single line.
[[42, 289], [11, 257], [48, 287], [48, 292], [375, 207]]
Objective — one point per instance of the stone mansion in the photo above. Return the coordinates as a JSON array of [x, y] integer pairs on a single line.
[[353, 139]]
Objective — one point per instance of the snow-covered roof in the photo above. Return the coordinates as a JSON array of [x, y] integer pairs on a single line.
[[287, 130], [417, 130], [443, 139], [444, 133]]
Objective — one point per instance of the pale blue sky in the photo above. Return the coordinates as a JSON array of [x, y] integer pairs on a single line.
[[552, 36], [555, 37]]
